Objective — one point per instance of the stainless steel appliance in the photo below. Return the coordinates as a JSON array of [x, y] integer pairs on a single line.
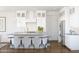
[[62, 32]]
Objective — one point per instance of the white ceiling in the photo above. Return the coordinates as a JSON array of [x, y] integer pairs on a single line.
[[14, 8]]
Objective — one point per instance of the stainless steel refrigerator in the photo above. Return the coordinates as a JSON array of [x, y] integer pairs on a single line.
[[62, 32]]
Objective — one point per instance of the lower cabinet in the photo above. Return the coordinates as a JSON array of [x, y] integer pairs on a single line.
[[72, 42]]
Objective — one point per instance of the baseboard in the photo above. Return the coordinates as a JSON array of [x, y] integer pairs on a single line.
[[53, 40], [4, 42], [67, 47]]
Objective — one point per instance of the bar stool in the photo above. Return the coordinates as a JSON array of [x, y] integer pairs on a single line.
[[11, 44], [21, 45], [31, 43], [41, 45], [47, 44]]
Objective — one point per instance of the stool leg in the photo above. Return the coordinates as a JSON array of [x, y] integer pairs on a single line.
[[31, 44], [11, 45], [10, 42], [41, 41], [47, 44], [41, 45], [21, 44]]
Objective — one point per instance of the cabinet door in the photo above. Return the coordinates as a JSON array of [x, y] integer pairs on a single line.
[[41, 19], [41, 23], [41, 14], [74, 42], [21, 14], [67, 41], [21, 18]]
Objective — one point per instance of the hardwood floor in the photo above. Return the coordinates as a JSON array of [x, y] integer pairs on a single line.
[[54, 48]]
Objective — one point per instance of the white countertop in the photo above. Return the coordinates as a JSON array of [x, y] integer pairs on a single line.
[[30, 34], [71, 34]]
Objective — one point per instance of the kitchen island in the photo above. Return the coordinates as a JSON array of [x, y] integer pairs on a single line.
[[29, 40]]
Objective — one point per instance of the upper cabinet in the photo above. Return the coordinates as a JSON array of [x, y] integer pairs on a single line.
[[27, 16], [21, 14], [41, 14], [41, 19], [21, 18], [31, 19], [31, 16]]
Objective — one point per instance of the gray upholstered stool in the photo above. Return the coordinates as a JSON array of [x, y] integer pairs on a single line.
[[41, 45], [47, 44], [21, 45], [11, 44], [31, 43]]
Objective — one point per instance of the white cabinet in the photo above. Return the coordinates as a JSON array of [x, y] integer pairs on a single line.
[[72, 42], [41, 14], [26, 16], [21, 18], [41, 19], [21, 13], [30, 20]]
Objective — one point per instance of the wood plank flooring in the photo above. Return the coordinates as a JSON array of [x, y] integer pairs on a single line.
[[54, 48]]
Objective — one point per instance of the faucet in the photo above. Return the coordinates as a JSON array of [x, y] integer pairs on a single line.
[[71, 31]]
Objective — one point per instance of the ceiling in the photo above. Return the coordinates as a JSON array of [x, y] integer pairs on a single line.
[[14, 8]]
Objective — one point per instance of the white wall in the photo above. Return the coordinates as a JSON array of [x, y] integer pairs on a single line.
[[74, 20], [52, 24], [71, 20], [10, 24]]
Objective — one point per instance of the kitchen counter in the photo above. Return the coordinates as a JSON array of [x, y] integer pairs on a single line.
[[30, 34], [27, 41], [72, 41], [71, 34]]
